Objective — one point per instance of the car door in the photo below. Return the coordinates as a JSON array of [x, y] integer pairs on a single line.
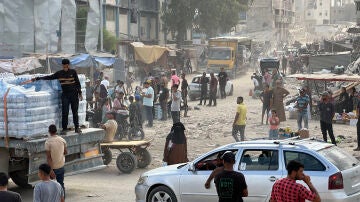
[[194, 88], [261, 169], [192, 182], [313, 167]]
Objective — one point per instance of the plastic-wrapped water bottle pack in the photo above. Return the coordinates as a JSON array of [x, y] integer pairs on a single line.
[[32, 107]]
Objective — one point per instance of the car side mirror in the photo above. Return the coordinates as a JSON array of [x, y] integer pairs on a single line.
[[191, 167]]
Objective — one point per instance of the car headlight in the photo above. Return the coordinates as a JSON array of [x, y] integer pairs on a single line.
[[142, 180]]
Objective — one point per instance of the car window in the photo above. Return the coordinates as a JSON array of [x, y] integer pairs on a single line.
[[212, 161], [196, 80], [259, 160], [341, 159], [310, 162]]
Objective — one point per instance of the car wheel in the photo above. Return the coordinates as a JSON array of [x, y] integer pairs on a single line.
[[162, 193], [143, 157], [192, 98], [107, 156], [126, 162], [231, 90]]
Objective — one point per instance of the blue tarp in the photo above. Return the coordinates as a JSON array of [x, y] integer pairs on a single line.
[[105, 61], [82, 61]]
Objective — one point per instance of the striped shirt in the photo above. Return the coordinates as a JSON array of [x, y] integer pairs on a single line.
[[69, 80]]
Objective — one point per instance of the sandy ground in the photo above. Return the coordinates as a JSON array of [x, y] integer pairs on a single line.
[[207, 128]]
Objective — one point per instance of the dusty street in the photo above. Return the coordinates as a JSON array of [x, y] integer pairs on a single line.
[[207, 129]]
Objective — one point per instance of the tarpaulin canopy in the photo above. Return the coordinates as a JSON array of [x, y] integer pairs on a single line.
[[82, 61], [18, 66], [326, 77], [148, 54]]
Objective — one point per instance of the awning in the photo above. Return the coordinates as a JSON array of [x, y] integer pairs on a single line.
[[18, 66], [148, 54], [326, 77]]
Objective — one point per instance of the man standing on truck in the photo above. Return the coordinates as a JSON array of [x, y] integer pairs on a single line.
[[222, 82], [71, 93], [55, 147]]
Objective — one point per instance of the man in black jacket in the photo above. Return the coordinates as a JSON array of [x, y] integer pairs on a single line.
[[71, 93], [222, 82]]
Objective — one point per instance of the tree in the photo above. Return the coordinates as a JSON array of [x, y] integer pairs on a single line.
[[218, 16], [206, 16], [109, 41], [178, 17]]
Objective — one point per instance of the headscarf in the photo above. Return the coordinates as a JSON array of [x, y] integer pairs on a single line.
[[177, 135]]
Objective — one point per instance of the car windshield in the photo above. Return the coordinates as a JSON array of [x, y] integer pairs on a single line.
[[219, 54], [342, 160]]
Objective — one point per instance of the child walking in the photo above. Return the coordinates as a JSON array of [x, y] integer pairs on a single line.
[[274, 125]]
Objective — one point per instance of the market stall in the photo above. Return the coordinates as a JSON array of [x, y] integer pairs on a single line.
[[350, 81]]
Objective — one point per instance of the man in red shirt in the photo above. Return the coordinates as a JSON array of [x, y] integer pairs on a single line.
[[287, 190]]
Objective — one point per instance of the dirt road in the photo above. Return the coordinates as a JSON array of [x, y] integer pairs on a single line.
[[207, 128]]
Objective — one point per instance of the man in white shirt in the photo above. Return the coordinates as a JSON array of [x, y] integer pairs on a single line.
[[175, 103], [256, 83], [148, 102], [105, 82]]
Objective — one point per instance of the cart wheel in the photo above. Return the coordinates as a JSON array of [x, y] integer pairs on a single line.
[[126, 162], [143, 157], [107, 156]]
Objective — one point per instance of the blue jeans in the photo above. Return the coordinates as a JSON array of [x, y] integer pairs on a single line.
[[273, 134], [149, 115], [60, 177], [303, 115]]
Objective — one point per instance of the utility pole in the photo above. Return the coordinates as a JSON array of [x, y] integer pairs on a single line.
[[101, 26]]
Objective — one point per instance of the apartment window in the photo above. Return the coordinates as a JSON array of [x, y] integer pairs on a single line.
[[320, 14], [309, 14], [110, 14]]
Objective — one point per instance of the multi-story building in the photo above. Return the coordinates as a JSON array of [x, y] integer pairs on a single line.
[[342, 10], [317, 12], [259, 17], [284, 16], [132, 19]]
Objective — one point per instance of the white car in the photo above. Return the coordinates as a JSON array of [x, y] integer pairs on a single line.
[[334, 173], [195, 87]]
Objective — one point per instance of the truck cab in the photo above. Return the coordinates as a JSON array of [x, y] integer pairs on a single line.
[[221, 57]]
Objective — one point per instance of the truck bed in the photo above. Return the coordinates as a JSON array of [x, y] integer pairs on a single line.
[[84, 153]]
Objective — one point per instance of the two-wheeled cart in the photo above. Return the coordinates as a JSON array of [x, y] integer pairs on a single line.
[[132, 154]]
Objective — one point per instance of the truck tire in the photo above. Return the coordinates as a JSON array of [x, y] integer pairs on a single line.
[[107, 156], [143, 157], [126, 162], [20, 178]]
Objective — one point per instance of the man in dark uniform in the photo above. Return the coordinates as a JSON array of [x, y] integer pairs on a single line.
[[71, 93], [184, 92], [222, 82], [204, 86]]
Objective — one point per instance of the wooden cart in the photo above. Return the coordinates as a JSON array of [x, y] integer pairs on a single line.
[[132, 154]]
